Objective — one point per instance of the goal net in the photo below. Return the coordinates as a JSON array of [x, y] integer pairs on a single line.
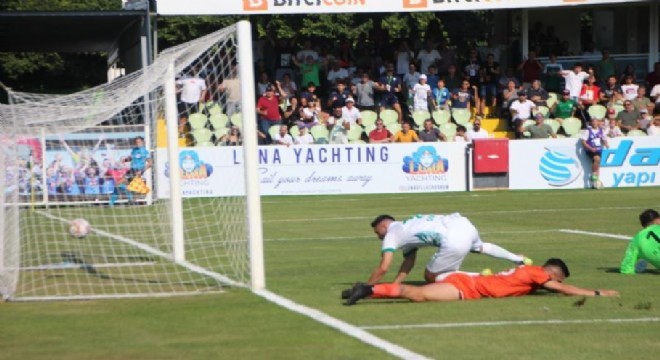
[[116, 155]]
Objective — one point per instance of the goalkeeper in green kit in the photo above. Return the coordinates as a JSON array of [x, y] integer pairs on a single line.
[[645, 246]]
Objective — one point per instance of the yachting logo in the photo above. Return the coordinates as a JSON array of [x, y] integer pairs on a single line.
[[560, 166], [415, 4], [425, 161], [255, 5]]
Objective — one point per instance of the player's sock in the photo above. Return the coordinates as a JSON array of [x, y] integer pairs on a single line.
[[386, 290], [113, 197], [499, 252], [128, 193]]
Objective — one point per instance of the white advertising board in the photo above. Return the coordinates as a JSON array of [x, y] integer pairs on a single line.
[[255, 7], [563, 163], [318, 170]]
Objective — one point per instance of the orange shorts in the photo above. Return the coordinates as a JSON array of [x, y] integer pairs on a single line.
[[465, 285]]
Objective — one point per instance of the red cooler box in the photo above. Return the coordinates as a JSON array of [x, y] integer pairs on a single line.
[[490, 156]]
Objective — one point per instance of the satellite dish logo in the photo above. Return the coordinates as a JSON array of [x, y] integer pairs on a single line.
[[560, 166]]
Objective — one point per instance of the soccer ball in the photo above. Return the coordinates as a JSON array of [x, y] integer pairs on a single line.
[[79, 228], [598, 185]]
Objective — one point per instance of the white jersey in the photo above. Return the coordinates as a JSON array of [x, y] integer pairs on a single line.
[[421, 95], [191, 89], [418, 231]]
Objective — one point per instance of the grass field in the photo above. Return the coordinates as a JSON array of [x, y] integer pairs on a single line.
[[316, 246]]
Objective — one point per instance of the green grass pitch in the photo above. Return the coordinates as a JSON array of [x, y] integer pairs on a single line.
[[316, 246]]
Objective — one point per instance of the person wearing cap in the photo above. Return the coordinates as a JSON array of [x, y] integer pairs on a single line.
[[644, 246], [521, 110], [540, 130], [593, 140], [421, 94], [268, 109], [350, 114], [304, 137], [565, 107]]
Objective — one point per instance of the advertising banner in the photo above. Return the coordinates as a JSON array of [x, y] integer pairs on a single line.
[[255, 7], [321, 170], [563, 163], [73, 167]]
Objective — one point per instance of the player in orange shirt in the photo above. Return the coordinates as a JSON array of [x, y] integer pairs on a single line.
[[518, 281]]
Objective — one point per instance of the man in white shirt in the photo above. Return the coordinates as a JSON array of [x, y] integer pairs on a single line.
[[282, 137], [304, 137], [574, 80], [337, 73], [476, 132], [427, 57], [521, 110], [192, 90], [351, 114], [412, 77]]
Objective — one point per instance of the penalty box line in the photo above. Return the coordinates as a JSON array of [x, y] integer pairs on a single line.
[[510, 323], [597, 234]]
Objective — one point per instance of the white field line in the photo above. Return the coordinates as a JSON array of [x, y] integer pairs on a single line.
[[373, 236], [314, 314], [342, 326], [599, 234], [330, 198], [154, 251], [76, 266], [509, 323], [465, 213]]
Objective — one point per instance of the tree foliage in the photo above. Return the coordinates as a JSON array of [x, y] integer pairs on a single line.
[[29, 71]]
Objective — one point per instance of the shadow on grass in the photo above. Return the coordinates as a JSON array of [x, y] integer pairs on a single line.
[[615, 270]]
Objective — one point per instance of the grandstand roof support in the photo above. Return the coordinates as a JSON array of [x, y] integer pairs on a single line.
[[654, 37]]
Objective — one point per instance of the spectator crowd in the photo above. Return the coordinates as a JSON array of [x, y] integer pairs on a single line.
[[379, 92]]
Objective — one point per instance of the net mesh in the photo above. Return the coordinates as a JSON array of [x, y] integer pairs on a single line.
[[93, 155]]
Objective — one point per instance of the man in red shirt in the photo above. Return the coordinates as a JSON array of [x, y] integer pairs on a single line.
[[268, 109], [380, 134], [518, 281]]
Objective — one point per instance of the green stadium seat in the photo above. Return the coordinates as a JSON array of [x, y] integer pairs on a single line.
[[389, 116], [571, 126], [368, 117], [197, 121], [441, 116], [420, 116], [219, 121], [461, 116]]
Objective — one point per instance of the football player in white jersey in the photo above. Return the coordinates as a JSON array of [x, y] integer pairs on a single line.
[[453, 235]]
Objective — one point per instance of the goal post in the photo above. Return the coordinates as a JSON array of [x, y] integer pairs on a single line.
[[140, 162], [255, 231]]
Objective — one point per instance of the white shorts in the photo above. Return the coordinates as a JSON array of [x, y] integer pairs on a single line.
[[462, 237]]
